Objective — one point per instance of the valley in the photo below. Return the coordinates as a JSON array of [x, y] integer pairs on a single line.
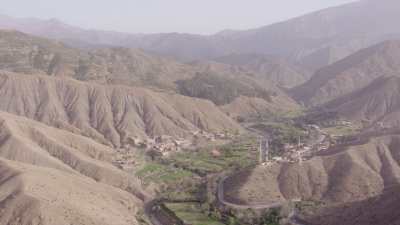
[[293, 123]]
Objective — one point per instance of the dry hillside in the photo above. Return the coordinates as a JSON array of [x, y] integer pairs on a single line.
[[51, 176], [26, 54], [379, 101], [350, 74], [238, 91], [108, 114], [277, 70], [357, 174], [31, 55]]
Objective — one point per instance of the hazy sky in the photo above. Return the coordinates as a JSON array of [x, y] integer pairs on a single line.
[[151, 16]]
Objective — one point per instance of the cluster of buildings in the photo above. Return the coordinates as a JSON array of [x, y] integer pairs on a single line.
[[299, 152], [163, 145]]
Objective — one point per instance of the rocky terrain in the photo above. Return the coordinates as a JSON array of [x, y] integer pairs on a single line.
[[350, 74], [54, 176], [31, 55], [95, 125], [376, 103], [26, 54], [66, 117], [364, 173], [109, 114], [278, 70]]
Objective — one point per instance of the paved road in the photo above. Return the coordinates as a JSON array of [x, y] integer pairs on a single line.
[[293, 218]]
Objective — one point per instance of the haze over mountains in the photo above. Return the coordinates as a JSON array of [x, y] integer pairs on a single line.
[[315, 40], [378, 102], [350, 74], [71, 100]]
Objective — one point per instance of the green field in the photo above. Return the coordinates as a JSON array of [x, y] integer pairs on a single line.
[[191, 213], [234, 155], [178, 177], [342, 130], [159, 173]]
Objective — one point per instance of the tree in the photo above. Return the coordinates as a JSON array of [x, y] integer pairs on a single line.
[[271, 218]]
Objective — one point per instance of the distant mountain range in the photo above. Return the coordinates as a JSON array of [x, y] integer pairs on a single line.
[[350, 74], [73, 100], [315, 40]]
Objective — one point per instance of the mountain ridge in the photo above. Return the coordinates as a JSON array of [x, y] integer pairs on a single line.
[[350, 74], [315, 39]]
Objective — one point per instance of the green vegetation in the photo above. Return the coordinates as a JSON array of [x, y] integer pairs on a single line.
[[292, 114], [271, 218], [178, 177], [232, 156], [192, 213], [159, 173], [281, 134], [343, 130], [221, 89], [309, 206]]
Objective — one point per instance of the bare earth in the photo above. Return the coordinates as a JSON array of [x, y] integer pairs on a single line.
[[351, 178]]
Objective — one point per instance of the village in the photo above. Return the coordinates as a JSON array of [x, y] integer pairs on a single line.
[[164, 146], [318, 140]]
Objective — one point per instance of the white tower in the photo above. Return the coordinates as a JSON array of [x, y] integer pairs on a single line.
[[264, 150]]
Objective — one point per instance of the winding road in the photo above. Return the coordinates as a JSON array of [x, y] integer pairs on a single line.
[[222, 200], [293, 218]]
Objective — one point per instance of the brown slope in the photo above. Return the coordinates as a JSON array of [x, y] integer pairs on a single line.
[[51, 176], [239, 91], [277, 70], [32, 195], [31, 55], [355, 174], [109, 114], [380, 210], [34, 143], [28, 54], [318, 38], [379, 101], [251, 107], [350, 74]]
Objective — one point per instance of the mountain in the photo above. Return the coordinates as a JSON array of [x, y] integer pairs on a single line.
[[345, 181], [350, 74], [30, 55], [223, 83], [50, 175], [108, 114], [239, 92], [23, 53], [278, 70], [378, 102], [65, 116], [381, 210], [316, 39]]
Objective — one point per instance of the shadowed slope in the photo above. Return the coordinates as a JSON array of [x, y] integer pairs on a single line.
[[350, 74], [379, 101], [356, 174]]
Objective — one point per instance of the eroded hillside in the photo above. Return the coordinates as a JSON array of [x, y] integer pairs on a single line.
[[108, 114], [353, 175], [350, 74]]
